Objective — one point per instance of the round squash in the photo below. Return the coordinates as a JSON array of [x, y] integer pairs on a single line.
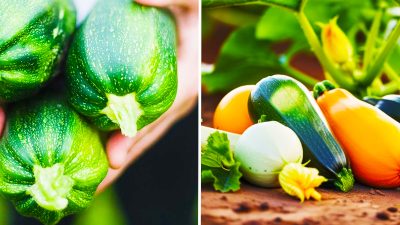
[[51, 161], [122, 67], [33, 35]]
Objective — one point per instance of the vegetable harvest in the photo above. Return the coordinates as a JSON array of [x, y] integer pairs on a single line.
[[286, 100], [231, 114], [264, 149], [51, 161], [122, 72], [33, 36], [270, 155], [369, 136]]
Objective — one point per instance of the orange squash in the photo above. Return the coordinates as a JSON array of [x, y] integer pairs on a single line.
[[370, 138], [232, 113]]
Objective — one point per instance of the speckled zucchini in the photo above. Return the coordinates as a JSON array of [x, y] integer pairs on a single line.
[[284, 99], [122, 72], [33, 35], [51, 161]]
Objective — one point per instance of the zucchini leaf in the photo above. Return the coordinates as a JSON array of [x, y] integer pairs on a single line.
[[218, 165], [243, 60], [294, 5]]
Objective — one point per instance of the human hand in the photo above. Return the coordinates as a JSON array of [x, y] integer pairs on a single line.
[[2, 120], [123, 151]]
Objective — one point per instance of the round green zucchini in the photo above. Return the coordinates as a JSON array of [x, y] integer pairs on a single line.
[[121, 68], [33, 35], [51, 161]]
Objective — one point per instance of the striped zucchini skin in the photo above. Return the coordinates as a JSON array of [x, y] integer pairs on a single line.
[[47, 132], [33, 35], [287, 101], [134, 52]]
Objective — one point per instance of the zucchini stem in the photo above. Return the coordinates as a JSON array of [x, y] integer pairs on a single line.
[[124, 111], [322, 87], [51, 187], [341, 79], [345, 180], [382, 56]]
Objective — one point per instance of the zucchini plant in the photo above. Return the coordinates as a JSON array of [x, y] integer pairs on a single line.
[[122, 72], [51, 160], [31, 43], [360, 55]]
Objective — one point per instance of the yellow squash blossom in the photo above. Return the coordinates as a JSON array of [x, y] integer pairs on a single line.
[[335, 43], [300, 181]]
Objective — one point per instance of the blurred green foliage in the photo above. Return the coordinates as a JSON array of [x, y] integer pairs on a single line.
[[105, 210], [5, 212], [246, 56]]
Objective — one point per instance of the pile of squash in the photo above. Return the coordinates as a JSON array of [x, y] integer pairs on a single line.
[[120, 71], [341, 136]]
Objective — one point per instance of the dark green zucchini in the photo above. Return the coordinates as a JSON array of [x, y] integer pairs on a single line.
[[122, 69], [51, 161], [33, 35], [389, 104], [287, 101]]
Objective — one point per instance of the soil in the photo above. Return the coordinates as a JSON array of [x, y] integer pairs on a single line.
[[253, 205], [258, 206]]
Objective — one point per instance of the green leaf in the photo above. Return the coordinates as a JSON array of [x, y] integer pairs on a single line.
[[268, 28], [243, 60], [224, 180], [217, 151], [294, 5], [218, 165]]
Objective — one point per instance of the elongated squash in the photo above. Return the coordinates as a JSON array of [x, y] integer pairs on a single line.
[[122, 69], [33, 35], [369, 136], [51, 161], [287, 101]]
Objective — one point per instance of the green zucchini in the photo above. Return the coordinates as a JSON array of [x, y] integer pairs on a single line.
[[51, 161], [33, 35], [122, 72], [287, 101]]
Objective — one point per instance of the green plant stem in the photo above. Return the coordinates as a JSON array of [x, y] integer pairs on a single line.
[[341, 79], [232, 16], [383, 54], [391, 73], [302, 77], [371, 39], [389, 88]]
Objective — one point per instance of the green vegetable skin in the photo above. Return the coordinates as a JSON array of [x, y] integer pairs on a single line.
[[122, 69], [51, 161], [286, 100], [33, 35]]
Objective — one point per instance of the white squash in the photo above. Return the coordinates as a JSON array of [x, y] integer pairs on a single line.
[[264, 149]]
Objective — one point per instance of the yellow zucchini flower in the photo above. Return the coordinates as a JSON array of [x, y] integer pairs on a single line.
[[335, 43], [300, 181]]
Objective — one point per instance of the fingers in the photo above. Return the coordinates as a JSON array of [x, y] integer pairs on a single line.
[[111, 176], [117, 149], [146, 137], [2, 120]]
